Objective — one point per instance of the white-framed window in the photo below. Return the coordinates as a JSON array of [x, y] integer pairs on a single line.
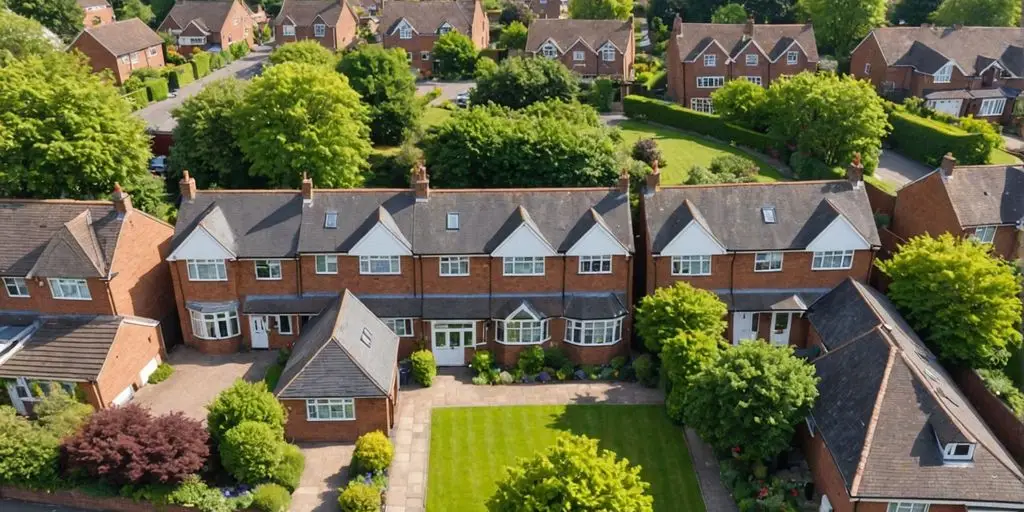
[[593, 332], [702, 105], [595, 265], [753, 79], [319, 30], [710, 82], [992, 107], [521, 332], [454, 334], [549, 51], [768, 214], [268, 270], [124, 59], [326, 264], [453, 266], [954, 452], [691, 265], [16, 287], [792, 58], [710, 61], [330, 409], [380, 264], [135, 57], [284, 324], [69, 289], [944, 75], [451, 221], [193, 40], [400, 326], [153, 50], [288, 30], [608, 54], [215, 326], [405, 32], [578, 56], [207, 270], [444, 29], [867, 68], [984, 234], [424, 55], [751, 59], [902, 506], [767, 261], [331, 219], [832, 260], [523, 266]]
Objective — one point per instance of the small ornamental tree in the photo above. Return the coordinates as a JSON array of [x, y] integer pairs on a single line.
[[680, 307], [28, 453], [519, 82], [961, 299], [741, 102], [516, 10], [648, 152], [513, 36], [750, 399], [307, 52], [572, 475], [128, 445], [454, 56], [252, 452], [245, 401]]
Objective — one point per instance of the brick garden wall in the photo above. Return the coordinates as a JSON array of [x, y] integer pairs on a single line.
[[1007, 428]]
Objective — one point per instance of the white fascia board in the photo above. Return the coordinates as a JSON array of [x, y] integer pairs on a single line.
[[380, 241], [839, 235], [201, 245], [693, 240]]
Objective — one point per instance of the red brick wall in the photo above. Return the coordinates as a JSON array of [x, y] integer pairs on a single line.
[[41, 299], [478, 280], [237, 26], [593, 65], [923, 207], [249, 285], [866, 53], [416, 45], [737, 271], [142, 282], [827, 478], [1007, 428], [348, 277], [371, 414], [881, 201], [185, 290], [81, 500], [336, 37], [133, 347], [101, 59], [551, 281]]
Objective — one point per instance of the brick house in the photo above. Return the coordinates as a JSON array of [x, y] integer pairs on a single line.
[[958, 70], [766, 249], [82, 281], [701, 57], [415, 26], [121, 47], [333, 23], [211, 25], [549, 9], [890, 432], [984, 202], [453, 269], [592, 48], [341, 380], [97, 12]]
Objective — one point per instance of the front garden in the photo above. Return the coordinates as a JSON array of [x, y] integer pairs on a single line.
[[150, 85]]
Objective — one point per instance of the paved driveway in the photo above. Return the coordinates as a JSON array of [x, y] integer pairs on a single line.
[[158, 115], [448, 89], [326, 470], [898, 169], [198, 378]]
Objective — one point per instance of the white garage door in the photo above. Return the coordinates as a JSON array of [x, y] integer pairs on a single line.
[[124, 396], [148, 370], [951, 107]]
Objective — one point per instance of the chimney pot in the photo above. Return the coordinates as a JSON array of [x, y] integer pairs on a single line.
[[421, 183], [188, 187], [122, 201], [948, 165], [748, 28], [654, 179], [855, 171], [307, 188]]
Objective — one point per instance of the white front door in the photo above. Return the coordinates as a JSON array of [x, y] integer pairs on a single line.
[[258, 331], [951, 107], [781, 322], [744, 326], [450, 340]]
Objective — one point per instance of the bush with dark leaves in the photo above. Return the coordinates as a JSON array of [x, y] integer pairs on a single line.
[[648, 152]]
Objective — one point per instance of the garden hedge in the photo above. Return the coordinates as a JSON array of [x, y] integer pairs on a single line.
[[216, 61], [138, 98], [239, 49], [926, 140], [675, 116], [201, 64], [158, 89], [180, 76]]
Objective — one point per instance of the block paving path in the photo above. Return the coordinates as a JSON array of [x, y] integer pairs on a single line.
[[408, 473]]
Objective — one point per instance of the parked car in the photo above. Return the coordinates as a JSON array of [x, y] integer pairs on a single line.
[[462, 99], [158, 165]]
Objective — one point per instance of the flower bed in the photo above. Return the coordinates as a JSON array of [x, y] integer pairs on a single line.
[[755, 490], [546, 365]]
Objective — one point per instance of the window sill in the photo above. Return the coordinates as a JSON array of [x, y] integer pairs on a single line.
[[521, 344], [207, 280], [380, 273], [828, 269], [522, 275], [20, 296], [326, 273], [691, 275], [768, 271], [588, 345], [198, 337], [608, 273], [268, 278], [73, 298], [453, 275], [330, 419]]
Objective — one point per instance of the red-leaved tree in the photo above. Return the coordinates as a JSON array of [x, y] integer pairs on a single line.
[[128, 445]]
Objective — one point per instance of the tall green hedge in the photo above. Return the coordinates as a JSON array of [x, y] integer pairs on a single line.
[[670, 114], [216, 61], [926, 140], [158, 89], [138, 98], [182, 75], [201, 64]]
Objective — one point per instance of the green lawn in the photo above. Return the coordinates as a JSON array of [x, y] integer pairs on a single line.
[[683, 151], [470, 447], [998, 156], [435, 115]]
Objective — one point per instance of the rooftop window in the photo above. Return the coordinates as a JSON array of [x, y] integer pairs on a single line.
[[331, 220], [768, 214]]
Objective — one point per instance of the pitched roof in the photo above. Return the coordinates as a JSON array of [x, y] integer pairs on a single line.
[[332, 360], [251, 224], [565, 33], [126, 36], [427, 16], [733, 213], [210, 14], [773, 40], [58, 238], [303, 12], [85, 4], [69, 348], [972, 48], [987, 194], [884, 400]]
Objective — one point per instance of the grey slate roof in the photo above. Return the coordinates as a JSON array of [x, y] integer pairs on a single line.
[[887, 368], [209, 14], [57, 238], [732, 213], [126, 36], [768, 300], [428, 16], [253, 223], [595, 306], [358, 211], [303, 12], [772, 39], [972, 48], [987, 194], [330, 361], [275, 305], [68, 348], [565, 33], [393, 306]]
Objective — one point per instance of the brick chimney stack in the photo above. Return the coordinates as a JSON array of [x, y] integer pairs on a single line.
[[623, 185], [122, 201], [855, 172], [307, 189], [677, 25], [188, 187], [421, 183], [748, 29], [654, 179], [948, 166]]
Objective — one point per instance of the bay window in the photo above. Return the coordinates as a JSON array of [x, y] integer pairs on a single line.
[[69, 289], [593, 332], [380, 265], [523, 266], [214, 326], [992, 107], [832, 260], [521, 328], [207, 270], [330, 409]]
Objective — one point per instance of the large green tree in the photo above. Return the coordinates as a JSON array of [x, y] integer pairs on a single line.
[[160, 9], [549, 144], [961, 299], [839, 25], [600, 9], [385, 82], [750, 399], [454, 56], [21, 37], [205, 142], [309, 52], [64, 17], [297, 119], [666, 11], [518, 82], [771, 11], [729, 13], [513, 36], [572, 475], [742, 102], [127, 9], [913, 12], [64, 132], [984, 13], [680, 307]]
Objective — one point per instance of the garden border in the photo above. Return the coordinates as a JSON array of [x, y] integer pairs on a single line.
[[78, 499]]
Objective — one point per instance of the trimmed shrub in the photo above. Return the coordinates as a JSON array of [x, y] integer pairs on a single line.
[[226, 55], [216, 61], [482, 361], [245, 401], [601, 94], [271, 498], [373, 453], [648, 152], [179, 76], [162, 373], [157, 88], [28, 454], [531, 360], [60, 414], [646, 370], [926, 140], [251, 452], [201, 64], [670, 114], [359, 497], [555, 357], [138, 98], [195, 493], [423, 367], [289, 472], [239, 49]]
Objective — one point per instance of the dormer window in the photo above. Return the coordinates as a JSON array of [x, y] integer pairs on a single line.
[[331, 220], [751, 59], [792, 58], [288, 30], [319, 30], [958, 452], [444, 29], [366, 337], [944, 75], [405, 30], [452, 221], [768, 214], [549, 51]]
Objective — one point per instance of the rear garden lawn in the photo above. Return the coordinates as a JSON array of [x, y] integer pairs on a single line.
[[470, 447], [683, 151]]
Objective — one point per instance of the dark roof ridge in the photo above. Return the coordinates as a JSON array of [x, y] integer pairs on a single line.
[[753, 183], [92, 202], [873, 423], [334, 327], [347, 295]]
